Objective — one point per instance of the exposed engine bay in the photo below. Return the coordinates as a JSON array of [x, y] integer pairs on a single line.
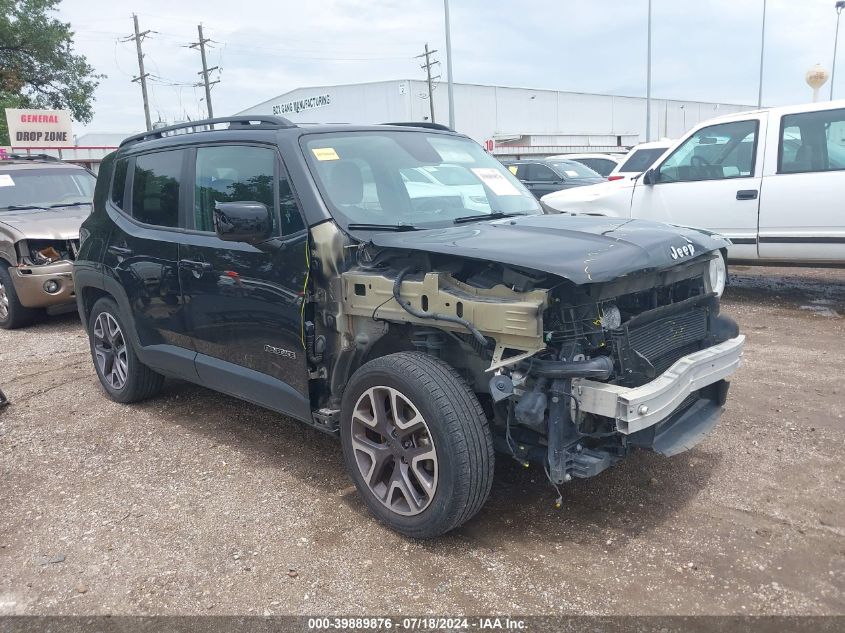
[[552, 362], [41, 252]]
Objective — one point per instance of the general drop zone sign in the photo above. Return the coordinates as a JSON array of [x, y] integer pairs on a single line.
[[39, 128]]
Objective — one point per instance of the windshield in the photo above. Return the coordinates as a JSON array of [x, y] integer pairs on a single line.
[[412, 178], [642, 159], [45, 187], [573, 169]]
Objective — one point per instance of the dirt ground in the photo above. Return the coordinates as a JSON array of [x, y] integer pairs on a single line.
[[195, 502]]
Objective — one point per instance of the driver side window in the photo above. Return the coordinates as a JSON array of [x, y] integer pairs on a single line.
[[717, 152]]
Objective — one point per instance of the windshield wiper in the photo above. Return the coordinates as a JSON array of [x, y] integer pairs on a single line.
[[498, 215], [20, 207], [382, 227], [68, 204]]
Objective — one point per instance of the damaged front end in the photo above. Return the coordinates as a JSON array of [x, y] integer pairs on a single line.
[[43, 277], [572, 376], [640, 362]]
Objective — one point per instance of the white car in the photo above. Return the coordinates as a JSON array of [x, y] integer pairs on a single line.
[[773, 181], [602, 164], [446, 180], [640, 158]]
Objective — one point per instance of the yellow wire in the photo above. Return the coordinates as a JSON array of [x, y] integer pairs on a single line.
[[305, 289]]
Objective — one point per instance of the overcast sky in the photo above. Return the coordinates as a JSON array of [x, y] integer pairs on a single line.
[[702, 49]]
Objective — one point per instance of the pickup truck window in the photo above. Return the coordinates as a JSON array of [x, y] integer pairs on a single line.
[[812, 141], [716, 152]]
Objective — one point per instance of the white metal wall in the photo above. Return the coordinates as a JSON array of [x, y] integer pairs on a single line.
[[485, 112]]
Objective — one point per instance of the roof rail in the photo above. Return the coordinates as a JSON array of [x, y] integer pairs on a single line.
[[235, 122], [424, 124], [41, 157]]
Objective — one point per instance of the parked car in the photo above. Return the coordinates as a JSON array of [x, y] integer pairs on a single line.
[[773, 181], [602, 164], [42, 205], [426, 337], [640, 158], [543, 176]]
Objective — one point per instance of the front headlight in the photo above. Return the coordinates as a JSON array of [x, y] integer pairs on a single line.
[[717, 270]]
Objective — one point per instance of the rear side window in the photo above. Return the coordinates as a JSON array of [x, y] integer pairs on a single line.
[[118, 186], [602, 166], [540, 173], [155, 188], [812, 141]]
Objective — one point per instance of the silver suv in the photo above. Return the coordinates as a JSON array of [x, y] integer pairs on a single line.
[[42, 205]]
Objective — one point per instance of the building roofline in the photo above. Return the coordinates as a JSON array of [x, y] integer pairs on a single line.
[[511, 87]]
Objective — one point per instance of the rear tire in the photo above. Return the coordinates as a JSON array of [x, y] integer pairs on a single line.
[[12, 314], [416, 443], [123, 376]]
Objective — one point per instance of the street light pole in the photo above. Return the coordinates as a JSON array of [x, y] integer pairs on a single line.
[[449, 66], [648, 81], [762, 49], [840, 4]]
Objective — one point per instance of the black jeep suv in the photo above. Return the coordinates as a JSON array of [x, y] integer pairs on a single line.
[[332, 274]]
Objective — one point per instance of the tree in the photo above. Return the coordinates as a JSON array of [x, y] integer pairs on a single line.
[[38, 66]]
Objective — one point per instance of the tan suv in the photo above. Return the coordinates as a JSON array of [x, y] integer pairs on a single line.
[[42, 205]]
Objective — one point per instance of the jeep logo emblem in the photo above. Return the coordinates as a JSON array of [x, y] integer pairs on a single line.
[[684, 251]]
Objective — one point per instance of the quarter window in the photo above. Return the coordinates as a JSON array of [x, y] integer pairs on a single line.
[[812, 141], [716, 152], [118, 187], [155, 188]]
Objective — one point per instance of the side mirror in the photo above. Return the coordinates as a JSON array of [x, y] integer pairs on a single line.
[[650, 177], [248, 222]]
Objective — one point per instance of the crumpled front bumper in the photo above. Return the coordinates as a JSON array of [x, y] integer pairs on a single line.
[[639, 408], [29, 284]]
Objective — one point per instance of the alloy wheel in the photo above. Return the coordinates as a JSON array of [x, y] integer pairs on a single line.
[[4, 303], [394, 450], [110, 351]]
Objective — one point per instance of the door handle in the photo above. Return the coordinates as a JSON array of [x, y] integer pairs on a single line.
[[119, 250], [746, 194], [195, 265]]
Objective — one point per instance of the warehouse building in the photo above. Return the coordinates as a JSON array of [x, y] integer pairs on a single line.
[[511, 122]]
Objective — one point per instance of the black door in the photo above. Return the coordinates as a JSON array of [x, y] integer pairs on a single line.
[[244, 303], [142, 252]]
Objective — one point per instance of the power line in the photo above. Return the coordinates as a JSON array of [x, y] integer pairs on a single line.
[[429, 63], [142, 76]]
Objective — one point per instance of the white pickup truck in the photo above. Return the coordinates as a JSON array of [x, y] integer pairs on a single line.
[[773, 181]]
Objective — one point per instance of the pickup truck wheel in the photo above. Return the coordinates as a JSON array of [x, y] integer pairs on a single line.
[[12, 313], [121, 373], [416, 443]]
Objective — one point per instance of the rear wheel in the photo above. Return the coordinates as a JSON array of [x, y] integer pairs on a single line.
[[416, 444], [119, 369], [12, 313]]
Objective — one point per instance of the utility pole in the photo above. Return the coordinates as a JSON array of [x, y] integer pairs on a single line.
[[449, 65], [427, 65], [648, 81], [142, 76], [762, 50], [205, 71]]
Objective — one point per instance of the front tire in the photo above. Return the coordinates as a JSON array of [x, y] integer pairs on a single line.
[[123, 376], [12, 314], [416, 444]]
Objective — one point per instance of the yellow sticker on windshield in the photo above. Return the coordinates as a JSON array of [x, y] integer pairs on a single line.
[[325, 153], [512, 169]]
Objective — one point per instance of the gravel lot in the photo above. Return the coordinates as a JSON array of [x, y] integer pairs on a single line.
[[198, 503]]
